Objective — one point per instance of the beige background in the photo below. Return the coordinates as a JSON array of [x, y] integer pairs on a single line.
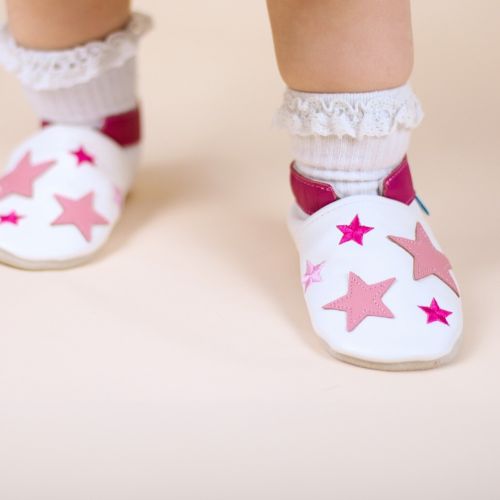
[[180, 364]]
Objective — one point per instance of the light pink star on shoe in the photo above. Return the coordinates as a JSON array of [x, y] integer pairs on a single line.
[[20, 180], [82, 156], [353, 232], [118, 196], [362, 300], [435, 313], [312, 274], [12, 218], [427, 259], [80, 213]]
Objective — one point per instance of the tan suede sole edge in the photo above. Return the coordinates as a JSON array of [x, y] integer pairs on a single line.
[[54, 265], [396, 367]]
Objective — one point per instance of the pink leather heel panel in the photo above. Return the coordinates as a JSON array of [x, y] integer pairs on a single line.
[[398, 185], [310, 195], [125, 129]]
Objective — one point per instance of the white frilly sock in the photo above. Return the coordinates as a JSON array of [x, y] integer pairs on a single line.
[[82, 85], [351, 141]]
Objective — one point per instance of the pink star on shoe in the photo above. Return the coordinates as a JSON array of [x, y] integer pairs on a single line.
[[353, 232], [82, 156], [427, 260], [118, 196], [20, 180], [80, 213], [362, 300], [312, 274], [12, 218], [435, 313]]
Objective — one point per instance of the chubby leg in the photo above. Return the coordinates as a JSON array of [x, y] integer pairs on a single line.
[[61, 24], [342, 45]]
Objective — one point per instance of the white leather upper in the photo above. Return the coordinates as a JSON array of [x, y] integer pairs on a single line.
[[34, 238], [405, 338]]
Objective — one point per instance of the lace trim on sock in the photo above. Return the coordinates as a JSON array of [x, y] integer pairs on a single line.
[[53, 70], [367, 114]]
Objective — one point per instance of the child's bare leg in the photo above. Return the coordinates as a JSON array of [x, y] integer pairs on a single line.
[[349, 112], [342, 45], [76, 60], [60, 24]]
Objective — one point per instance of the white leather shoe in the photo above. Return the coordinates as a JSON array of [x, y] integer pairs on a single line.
[[61, 195], [380, 292]]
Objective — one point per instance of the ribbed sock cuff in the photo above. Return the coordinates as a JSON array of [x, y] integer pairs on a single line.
[[350, 131], [351, 141], [346, 153], [83, 84], [110, 93], [348, 182]]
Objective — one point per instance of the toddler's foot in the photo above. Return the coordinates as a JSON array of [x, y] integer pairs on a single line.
[[380, 292], [62, 191]]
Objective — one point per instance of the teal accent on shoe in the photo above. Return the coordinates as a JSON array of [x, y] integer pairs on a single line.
[[422, 206]]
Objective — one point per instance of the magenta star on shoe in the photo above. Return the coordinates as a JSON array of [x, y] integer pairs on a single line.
[[82, 156], [362, 300], [79, 213], [20, 180], [12, 218], [427, 259], [435, 313], [312, 274], [353, 232]]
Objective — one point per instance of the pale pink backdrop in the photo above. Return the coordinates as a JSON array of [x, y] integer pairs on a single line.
[[180, 364]]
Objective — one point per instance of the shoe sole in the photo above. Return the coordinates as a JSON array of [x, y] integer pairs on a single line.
[[48, 265], [404, 366]]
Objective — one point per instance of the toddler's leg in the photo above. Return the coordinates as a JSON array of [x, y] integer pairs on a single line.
[[348, 107], [379, 290], [63, 190], [342, 46], [59, 24]]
